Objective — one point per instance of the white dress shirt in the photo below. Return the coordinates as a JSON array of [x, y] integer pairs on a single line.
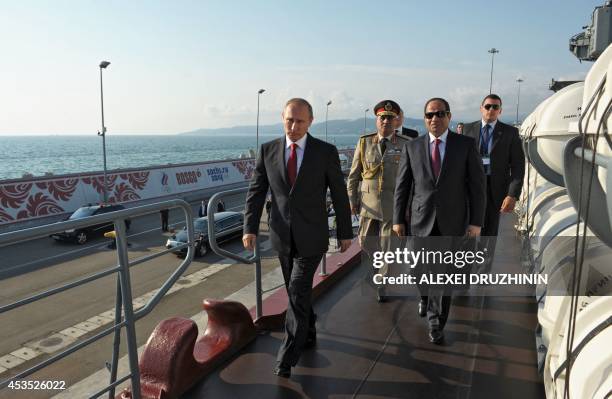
[[301, 146], [492, 124]]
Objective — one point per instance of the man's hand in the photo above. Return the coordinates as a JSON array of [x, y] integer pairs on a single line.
[[355, 209], [248, 240], [345, 244], [508, 204], [473, 231], [399, 229]]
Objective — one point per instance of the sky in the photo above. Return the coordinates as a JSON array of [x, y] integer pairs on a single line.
[[178, 66]]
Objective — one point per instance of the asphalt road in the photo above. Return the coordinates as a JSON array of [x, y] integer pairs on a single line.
[[43, 263]]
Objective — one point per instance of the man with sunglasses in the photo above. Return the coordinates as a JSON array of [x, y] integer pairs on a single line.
[[503, 159], [371, 182], [439, 192]]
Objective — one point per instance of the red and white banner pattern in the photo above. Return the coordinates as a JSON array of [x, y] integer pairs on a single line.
[[33, 198]]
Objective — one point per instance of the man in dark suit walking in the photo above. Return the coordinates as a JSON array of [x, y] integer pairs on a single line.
[[444, 173], [404, 131], [297, 169], [503, 159]]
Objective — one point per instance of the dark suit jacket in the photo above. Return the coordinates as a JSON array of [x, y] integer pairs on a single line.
[[409, 132], [507, 159], [458, 193], [300, 211]]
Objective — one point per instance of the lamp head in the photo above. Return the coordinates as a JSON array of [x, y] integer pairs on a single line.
[[261, 91], [104, 64]]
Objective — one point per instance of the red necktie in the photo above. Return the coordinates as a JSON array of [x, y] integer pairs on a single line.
[[292, 165], [436, 162]]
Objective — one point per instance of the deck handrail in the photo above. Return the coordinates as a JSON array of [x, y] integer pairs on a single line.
[[255, 258], [123, 301]]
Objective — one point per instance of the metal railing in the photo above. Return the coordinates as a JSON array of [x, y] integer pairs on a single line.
[[255, 258], [123, 300], [212, 240]]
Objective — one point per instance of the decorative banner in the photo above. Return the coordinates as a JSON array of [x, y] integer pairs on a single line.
[[26, 199]]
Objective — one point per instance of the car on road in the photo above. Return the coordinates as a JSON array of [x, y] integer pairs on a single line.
[[228, 225], [82, 235]]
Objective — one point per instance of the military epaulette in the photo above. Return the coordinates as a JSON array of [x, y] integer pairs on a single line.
[[368, 135], [401, 136]]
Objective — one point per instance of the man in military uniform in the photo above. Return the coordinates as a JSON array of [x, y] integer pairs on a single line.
[[371, 182]]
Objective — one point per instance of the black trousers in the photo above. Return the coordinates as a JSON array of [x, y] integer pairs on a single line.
[[298, 272], [438, 305], [490, 229], [491, 219]]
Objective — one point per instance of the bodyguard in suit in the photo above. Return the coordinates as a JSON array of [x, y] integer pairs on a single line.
[[404, 131], [444, 173], [297, 169], [503, 159], [371, 182]]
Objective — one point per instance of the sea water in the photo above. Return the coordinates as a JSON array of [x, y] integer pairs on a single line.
[[58, 154]]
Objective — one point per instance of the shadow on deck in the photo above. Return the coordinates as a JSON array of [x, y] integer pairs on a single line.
[[371, 350]]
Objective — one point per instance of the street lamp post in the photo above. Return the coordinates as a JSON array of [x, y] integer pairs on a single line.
[[365, 120], [518, 98], [326, 115], [103, 65], [492, 51], [257, 126]]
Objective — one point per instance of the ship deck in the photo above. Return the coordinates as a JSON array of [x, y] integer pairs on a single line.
[[370, 350]]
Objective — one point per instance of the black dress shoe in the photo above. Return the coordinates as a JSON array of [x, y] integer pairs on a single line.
[[283, 370], [380, 295], [436, 336], [422, 308]]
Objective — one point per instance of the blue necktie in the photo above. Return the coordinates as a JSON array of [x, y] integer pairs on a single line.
[[484, 141], [484, 147]]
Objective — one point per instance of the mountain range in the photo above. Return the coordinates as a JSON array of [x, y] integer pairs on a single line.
[[334, 127]]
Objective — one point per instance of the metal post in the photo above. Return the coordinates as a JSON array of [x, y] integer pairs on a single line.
[[103, 65], [326, 115], [493, 51], [126, 294], [323, 271], [257, 127], [116, 340], [365, 115], [518, 99], [258, 289]]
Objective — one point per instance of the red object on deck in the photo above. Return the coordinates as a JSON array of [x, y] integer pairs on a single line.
[[172, 361]]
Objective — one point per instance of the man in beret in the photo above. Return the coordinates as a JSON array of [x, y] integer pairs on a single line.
[[371, 182]]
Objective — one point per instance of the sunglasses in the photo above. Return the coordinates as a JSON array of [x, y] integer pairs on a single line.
[[439, 114], [489, 106]]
